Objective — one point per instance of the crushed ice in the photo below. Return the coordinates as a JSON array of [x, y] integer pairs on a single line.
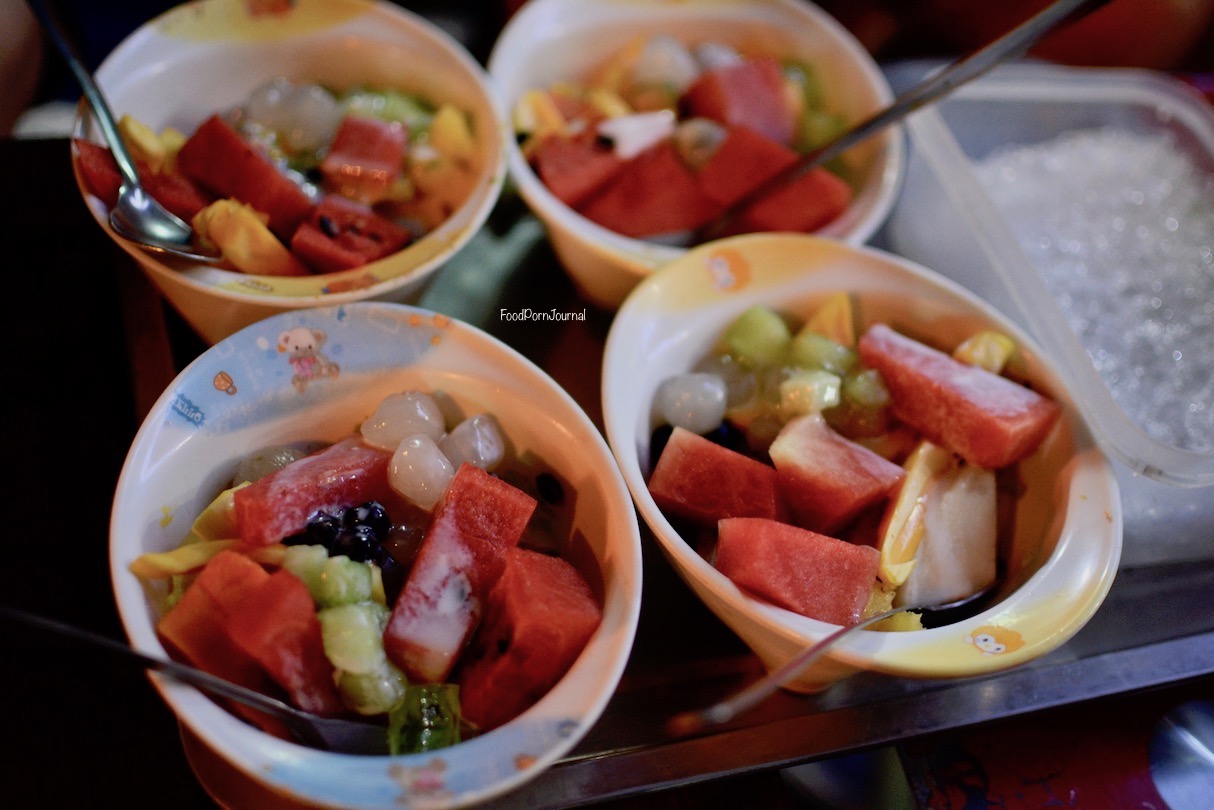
[[1121, 227]]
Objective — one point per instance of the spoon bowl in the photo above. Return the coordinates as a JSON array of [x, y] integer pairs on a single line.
[[137, 216]]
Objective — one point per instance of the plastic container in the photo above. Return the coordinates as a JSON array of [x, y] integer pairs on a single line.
[[947, 219]]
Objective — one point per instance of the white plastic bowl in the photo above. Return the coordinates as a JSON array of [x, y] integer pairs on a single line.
[[1068, 532], [204, 57], [562, 40], [239, 395]]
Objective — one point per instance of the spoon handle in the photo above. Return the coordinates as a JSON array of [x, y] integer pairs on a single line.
[[186, 674], [682, 725], [101, 109], [1010, 45]]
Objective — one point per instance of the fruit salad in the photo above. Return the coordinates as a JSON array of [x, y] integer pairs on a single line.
[[837, 472], [668, 135], [410, 571], [300, 178]]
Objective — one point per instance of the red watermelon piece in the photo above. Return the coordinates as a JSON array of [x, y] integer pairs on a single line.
[[462, 555], [574, 169], [344, 474], [827, 479], [365, 158], [340, 233], [981, 416], [809, 573], [195, 627], [655, 193], [750, 92], [744, 160], [699, 480], [804, 205], [99, 170], [177, 193], [224, 164], [275, 624], [538, 618]]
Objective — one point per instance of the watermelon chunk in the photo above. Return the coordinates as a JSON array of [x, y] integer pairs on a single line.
[[742, 162], [809, 573], [195, 627], [749, 92], [340, 233], [574, 169], [365, 158], [275, 624], [224, 164], [981, 416], [176, 192], [827, 479], [538, 618], [99, 170], [344, 474], [804, 205], [462, 555], [655, 193], [745, 160], [701, 481]]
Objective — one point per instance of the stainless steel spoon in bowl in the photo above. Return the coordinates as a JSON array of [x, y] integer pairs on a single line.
[[326, 733], [136, 216], [691, 722]]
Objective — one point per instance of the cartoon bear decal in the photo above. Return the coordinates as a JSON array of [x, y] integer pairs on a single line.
[[302, 347]]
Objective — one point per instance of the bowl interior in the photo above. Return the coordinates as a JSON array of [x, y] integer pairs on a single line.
[[205, 57], [1067, 534], [245, 394], [550, 41]]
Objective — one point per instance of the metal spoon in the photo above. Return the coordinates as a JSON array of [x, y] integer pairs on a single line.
[[691, 722], [327, 733], [136, 216], [1012, 44]]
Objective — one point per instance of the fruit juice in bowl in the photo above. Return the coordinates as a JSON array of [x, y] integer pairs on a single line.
[[1052, 522], [344, 379]]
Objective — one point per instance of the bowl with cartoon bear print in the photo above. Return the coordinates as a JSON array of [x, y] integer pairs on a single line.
[[312, 382]]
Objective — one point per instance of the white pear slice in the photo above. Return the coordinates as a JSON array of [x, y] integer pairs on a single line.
[[957, 552]]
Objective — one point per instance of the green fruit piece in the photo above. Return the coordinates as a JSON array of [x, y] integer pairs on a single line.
[[428, 718], [863, 409], [812, 350], [758, 337], [345, 581], [817, 128], [307, 563], [809, 391], [805, 78], [376, 692], [353, 637]]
